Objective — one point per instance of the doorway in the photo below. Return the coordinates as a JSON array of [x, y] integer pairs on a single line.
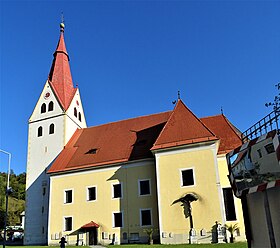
[[92, 236]]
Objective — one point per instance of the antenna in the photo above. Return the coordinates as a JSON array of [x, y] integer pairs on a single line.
[[62, 17]]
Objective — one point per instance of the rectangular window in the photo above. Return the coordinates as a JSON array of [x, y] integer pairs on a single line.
[[118, 219], [229, 204], [68, 198], [269, 148], [68, 224], [91, 194], [117, 190], [134, 237], [144, 187], [146, 217], [187, 177]]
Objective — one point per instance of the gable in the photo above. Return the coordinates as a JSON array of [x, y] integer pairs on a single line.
[[47, 96], [182, 128]]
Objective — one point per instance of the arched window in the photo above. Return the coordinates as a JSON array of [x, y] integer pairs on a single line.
[[80, 117], [43, 108], [75, 112], [40, 131], [50, 106], [51, 129]]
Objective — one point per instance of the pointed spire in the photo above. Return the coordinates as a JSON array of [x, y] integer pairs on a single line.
[[60, 75]]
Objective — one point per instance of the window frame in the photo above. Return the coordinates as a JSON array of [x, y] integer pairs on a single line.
[[139, 187], [226, 208], [64, 223], [89, 187], [113, 219], [65, 198], [51, 128], [181, 177], [50, 106], [43, 108], [40, 131], [113, 192], [141, 216]]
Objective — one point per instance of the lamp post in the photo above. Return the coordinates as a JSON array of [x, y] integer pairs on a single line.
[[8, 191]]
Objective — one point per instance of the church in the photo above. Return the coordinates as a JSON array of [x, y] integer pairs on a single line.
[[158, 178]]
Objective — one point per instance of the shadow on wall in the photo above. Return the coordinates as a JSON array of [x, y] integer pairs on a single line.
[[131, 205], [36, 210]]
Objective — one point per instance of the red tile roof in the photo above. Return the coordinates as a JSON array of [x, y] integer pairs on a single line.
[[133, 139], [115, 142], [182, 128], [60, 77], [90, 225], [228, 134]]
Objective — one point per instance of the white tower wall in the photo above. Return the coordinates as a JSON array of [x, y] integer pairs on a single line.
[[42, 150]]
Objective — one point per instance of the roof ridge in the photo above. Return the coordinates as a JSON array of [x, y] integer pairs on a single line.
[[234, 129], [128, 119], [211, 116]]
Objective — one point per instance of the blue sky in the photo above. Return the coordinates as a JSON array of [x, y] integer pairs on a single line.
[[130, 58]]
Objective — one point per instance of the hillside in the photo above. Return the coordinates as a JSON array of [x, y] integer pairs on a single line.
[[16, 199]]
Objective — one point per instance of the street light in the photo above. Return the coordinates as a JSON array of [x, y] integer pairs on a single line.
[[8, 191]]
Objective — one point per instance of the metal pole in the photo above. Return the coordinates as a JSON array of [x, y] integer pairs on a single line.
[[7, 196]]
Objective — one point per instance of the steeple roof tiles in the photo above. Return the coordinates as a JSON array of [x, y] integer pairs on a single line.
[[60, 75]]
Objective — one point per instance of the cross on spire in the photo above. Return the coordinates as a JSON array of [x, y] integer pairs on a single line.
[[62, 23]]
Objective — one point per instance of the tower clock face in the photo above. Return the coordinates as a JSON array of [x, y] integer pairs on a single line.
[[47, 95]]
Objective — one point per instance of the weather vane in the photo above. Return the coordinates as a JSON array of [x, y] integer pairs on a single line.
[[178, 97]]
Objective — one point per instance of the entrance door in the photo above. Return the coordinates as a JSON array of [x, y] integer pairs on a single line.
[[93, 236]]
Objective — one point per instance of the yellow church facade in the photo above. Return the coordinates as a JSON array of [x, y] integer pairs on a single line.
[[96, 201]]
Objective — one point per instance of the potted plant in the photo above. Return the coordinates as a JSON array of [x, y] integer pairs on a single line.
[[150, 232], [232, 228]]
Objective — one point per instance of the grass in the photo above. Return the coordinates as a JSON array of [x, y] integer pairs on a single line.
[[234, 245]]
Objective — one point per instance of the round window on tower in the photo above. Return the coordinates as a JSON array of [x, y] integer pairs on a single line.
[[47, 95]]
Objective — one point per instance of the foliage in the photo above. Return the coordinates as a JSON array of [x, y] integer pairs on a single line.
[[149, 232], [16, 198], [232, 228]]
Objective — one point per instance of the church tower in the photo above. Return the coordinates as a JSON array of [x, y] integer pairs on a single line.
[[56, 116]]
